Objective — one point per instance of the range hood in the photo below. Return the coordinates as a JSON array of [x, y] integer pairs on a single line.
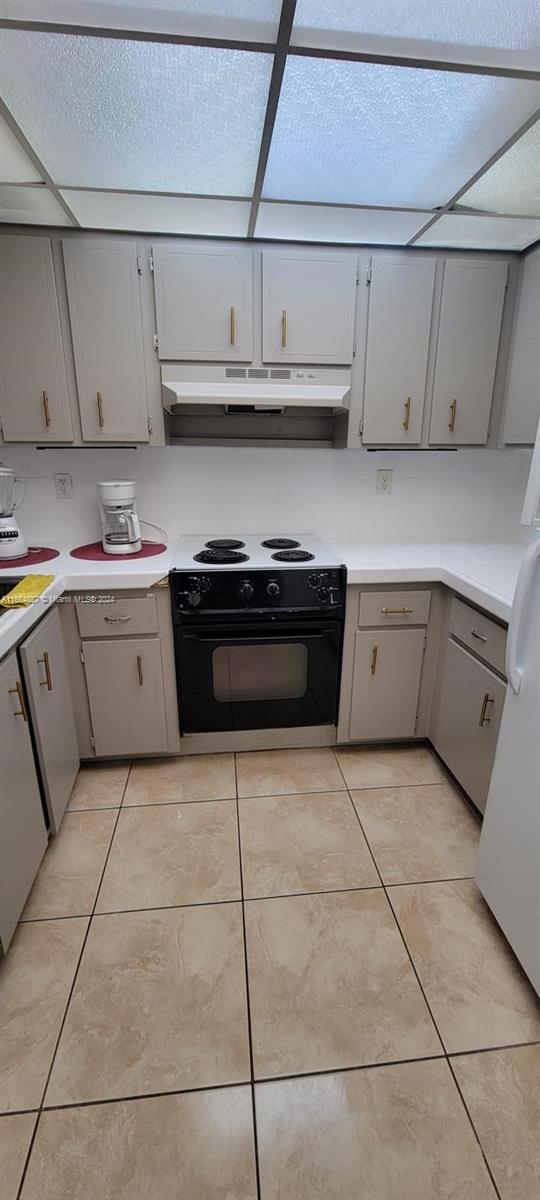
[[252, 390]]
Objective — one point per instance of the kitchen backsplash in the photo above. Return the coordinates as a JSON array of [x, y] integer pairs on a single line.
[[471, 494]]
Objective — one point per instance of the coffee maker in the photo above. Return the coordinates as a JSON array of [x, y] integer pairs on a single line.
[[119, 519], [12, 542]]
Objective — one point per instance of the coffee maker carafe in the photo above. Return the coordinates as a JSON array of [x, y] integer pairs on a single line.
[[12, 542], [119, 519]]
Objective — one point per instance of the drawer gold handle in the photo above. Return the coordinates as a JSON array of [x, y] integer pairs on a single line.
[[485, 720], [479, 636], [452, 421], [232, 319], [387, 611], [116, 620], [47, 682], [374, 654], [99, 400], [407, 413], [45, 399], [17, 691], [140, 670], [283, 329]]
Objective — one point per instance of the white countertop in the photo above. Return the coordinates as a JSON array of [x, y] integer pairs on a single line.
[[485, 573]]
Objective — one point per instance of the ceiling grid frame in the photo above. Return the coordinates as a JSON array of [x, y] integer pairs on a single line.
[[280, 49]]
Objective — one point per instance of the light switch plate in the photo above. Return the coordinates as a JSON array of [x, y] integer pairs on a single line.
[[385, 482]]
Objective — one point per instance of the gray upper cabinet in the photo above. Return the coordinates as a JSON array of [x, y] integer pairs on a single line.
[[106, 325], [467, 347], [51, 709], [23, 836], [204, 300], [34, 396], [398, 335], [523, 384], [309, 302]]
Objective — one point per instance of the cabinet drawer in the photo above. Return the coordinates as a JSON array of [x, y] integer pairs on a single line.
[[394, 608], [117, 618], [482, 635]]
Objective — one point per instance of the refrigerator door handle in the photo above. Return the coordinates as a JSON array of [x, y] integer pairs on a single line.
[[521, 612]]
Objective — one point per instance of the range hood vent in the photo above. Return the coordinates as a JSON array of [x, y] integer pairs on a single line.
[[254, 389]]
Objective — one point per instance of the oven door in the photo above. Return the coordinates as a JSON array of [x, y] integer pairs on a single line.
[[262, 676]]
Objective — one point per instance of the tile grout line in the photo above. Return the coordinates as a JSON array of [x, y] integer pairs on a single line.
[[428, 1006], [248, 1002], [70, 995]]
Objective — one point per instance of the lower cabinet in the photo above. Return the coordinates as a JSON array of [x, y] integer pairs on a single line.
[[23, 836], [386, 683], [124, 679], [468, 719], [47, 685]]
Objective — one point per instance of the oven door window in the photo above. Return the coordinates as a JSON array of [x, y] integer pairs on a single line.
[[247, 673]]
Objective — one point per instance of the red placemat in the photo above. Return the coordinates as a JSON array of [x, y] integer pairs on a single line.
[[36, 554], [94, 552]]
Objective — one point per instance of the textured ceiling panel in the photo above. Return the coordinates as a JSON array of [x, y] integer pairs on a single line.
[[30, 206], [127, 114], [15, 166], [512, 184], [482, 31], [314, 223], [160, 214], [363, 134], [481, 233], [255, 20]]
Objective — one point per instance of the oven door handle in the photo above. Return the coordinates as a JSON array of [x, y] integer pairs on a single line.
[[223, 639]]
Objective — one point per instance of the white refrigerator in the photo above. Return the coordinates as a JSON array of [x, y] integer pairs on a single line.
[[508, 865]]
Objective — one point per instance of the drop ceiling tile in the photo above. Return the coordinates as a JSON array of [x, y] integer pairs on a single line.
[[512, 184], [127, 114], [481, 232], [255, 20], [15, 165], [484, 32], [30, 206], [316, 223], [160, 214], [361, 133]]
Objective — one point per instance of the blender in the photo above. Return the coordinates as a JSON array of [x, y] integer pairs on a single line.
[[12, 542], [119, 518]]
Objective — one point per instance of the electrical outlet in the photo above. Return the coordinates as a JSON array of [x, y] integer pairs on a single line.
[[385, 482], [64, 486]]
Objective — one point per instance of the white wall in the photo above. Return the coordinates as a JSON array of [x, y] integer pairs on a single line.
[[469, 494]]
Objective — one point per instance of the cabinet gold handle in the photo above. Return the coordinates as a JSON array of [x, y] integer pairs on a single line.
[[407, 413], [45, 399], [140, 670], [232, 319], [484, 720], [374, 654], [99, 399], [479, 636], [283, 328], [17, 691], [396, 610], [47, 682], [452, 421]]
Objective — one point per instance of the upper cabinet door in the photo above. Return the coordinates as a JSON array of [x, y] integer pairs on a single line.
[[309, 304], [33, 388], [523, 386], [105, 312], [399, 323], [203, 302], [467, 345]]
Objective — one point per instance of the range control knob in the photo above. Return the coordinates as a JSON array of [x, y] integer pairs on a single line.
[[194, 598], [314, 581], [246, 590], [272, 588], [324, 595]]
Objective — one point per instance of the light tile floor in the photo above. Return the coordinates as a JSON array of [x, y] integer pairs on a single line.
[[237, 979]]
